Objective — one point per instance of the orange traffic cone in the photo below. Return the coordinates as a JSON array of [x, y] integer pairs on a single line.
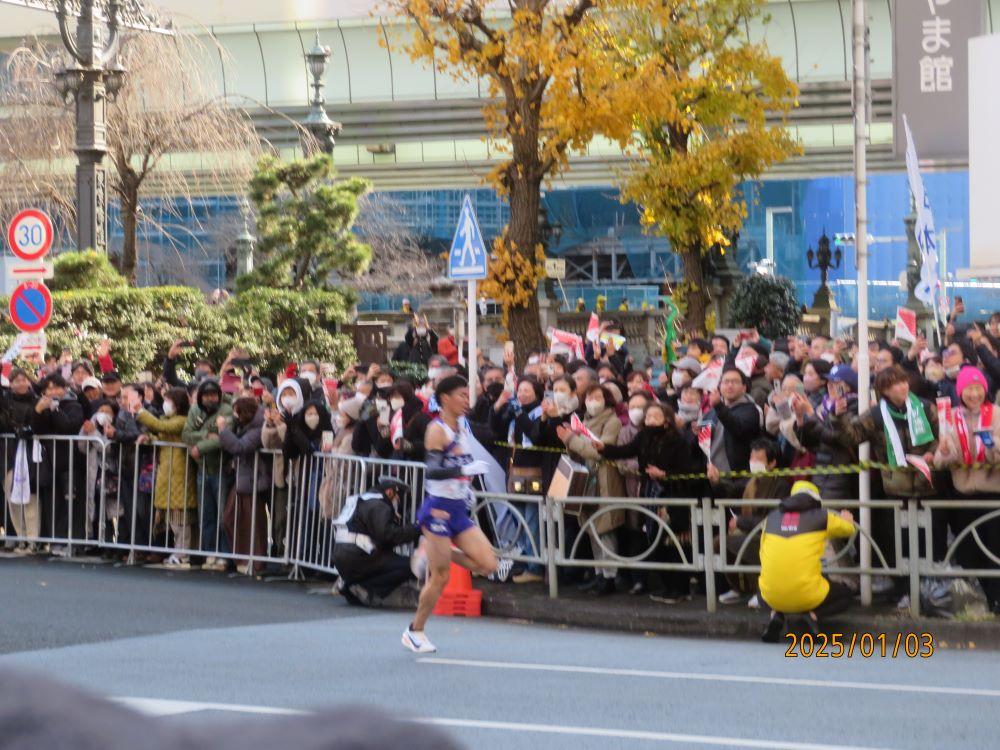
[[459, 598]]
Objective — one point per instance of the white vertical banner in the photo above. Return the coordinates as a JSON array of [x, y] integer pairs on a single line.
[[472, 361], [924, 229]]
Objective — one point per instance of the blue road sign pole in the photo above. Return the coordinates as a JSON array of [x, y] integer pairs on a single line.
[[467, 261], [472, 361]]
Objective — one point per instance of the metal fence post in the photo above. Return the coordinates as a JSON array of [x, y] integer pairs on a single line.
[[708, 552], [913, 556], [550, 536]]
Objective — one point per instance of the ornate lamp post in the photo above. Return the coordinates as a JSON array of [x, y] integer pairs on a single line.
[[318, 122], [91, 80], [549, 234], [824, 260]]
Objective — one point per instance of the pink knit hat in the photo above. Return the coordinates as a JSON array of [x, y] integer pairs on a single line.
[[968, 376]]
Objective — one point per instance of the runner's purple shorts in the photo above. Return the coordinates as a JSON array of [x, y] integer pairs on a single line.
[[457, 522]]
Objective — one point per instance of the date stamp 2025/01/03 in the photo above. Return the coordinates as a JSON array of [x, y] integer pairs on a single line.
[[865, 645]]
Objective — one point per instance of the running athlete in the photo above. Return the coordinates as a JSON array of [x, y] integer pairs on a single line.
[[444, 518]]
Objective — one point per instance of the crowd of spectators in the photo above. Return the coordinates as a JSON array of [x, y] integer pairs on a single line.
[[715, 422]]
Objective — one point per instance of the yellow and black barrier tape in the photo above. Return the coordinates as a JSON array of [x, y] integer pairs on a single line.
[[797, 471]]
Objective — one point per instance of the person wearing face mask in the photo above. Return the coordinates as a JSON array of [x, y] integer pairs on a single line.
[[953, 358], [368, 530], [57, 412], [736, 422], [660, 450], [175, 495], [974, 437], [405, 402], [818, 430], [372, 438], [764, 455], [419, 344], [515, 419], [17, 405], [635, 413], [606, 480], [685, 370], [492, 380], [201, 436], [101, 457], [245, 515]]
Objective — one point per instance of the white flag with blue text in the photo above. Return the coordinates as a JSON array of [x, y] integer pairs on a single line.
[[926, 236]]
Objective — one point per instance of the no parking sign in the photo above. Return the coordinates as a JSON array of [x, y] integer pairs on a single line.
[[31, 306]]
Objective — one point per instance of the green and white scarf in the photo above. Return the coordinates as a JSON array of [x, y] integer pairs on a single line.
[[920, 429]]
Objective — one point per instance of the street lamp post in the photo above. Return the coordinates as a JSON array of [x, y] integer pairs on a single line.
[[318, 123], [549, 234], [91, 80], [824, 260]]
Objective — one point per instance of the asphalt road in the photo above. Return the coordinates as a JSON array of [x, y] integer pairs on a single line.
[[192, 647]]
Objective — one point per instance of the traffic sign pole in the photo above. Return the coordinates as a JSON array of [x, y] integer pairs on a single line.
[[472, 361]]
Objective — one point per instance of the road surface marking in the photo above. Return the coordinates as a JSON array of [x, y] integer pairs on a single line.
[[888, 687], [634, 734], [163, 707]]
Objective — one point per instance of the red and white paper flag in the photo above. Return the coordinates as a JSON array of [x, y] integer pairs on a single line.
[[396, 428], [906, 324], [576, 425], [705, 440], [593, 328], [921, 466], [565, 342], [946, 420], [746, 360], [709, 378]]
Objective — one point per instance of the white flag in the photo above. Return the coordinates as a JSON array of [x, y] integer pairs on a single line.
[[924, 229]]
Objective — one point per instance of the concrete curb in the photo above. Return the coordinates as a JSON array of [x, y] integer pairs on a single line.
[[638, 614]]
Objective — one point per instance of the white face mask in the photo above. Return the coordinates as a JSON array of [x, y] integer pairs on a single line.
[[678, 379], [102, 419], [532, 360], [288, 402], [421, 331], [434, 373], [309, 377], [168, 409], [312, 420], [757, 467], [595, 407], [341, 421], [636, 415], [688, 412], [396, 404], [952, 372]]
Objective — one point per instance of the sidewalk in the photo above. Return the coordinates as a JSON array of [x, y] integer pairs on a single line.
[[639, 614]]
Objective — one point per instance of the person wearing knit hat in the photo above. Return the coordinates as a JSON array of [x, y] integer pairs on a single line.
[[792, 544], [973, 437]]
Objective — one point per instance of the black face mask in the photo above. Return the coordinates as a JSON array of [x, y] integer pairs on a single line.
[[383, 392], [493, 391], [210, 407]]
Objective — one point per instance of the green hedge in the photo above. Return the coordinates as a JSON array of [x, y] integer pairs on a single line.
[[88, 269], [274, 326]]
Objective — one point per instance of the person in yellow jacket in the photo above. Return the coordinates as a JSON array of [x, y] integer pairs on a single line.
[[791, 554]]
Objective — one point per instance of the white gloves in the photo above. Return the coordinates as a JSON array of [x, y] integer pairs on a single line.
[[475, 468]]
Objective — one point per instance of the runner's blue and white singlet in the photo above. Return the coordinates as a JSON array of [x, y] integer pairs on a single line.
[[457, 454]]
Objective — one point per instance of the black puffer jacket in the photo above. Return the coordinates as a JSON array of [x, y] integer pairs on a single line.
[[375, 517]]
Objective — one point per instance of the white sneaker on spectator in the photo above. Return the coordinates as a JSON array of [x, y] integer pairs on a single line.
[[754, 602], [176, 561], [418, 565], [417, 642], [730, 597], [504, 566], [59, 550]]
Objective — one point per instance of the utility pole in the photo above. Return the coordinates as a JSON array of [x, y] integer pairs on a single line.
[[860, 96]]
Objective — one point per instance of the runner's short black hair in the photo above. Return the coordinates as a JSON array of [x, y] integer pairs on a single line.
[[450, 384]]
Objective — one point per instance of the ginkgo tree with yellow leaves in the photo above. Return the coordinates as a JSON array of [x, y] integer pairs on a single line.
[[549, 95], [716, 118]]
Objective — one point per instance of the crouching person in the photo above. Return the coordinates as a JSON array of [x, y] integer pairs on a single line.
[[791, 553], [367, 533]]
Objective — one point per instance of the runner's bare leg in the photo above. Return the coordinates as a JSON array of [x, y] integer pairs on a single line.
[[438, 549], [475, 553]]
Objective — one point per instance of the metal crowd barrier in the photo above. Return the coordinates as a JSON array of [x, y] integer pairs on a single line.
[[86, 493]]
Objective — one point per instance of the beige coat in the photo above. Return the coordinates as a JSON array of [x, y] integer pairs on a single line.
[[610, 482], [949, 452]]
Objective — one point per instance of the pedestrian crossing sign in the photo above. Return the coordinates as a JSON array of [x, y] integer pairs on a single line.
[[467, 258]]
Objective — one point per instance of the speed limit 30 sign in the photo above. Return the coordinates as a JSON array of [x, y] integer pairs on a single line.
[[30, 234]]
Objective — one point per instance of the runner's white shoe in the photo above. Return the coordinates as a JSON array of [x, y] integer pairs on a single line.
[[417, 642]]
